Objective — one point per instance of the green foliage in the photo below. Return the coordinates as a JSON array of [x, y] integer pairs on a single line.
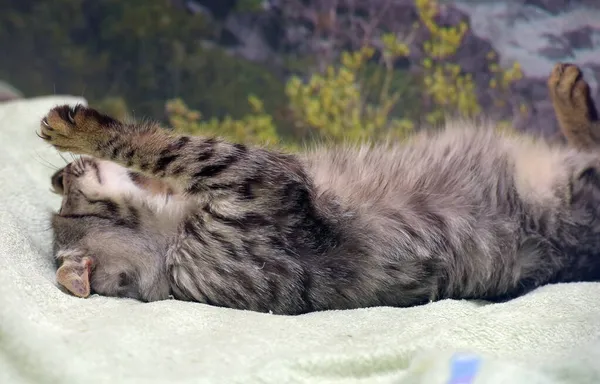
[[248, 5], [128, 59], [448, 88], [444, 83], [334, 105], [113, 106], [358, 99], [143, 53], [219, 85], [256, 127]]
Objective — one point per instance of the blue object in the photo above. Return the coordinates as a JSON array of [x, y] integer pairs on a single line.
[[464, 368]]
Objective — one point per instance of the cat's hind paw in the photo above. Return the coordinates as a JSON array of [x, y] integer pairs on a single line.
[[570, 93]]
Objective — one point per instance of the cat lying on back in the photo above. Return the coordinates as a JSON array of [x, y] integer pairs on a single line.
[[466, 213]]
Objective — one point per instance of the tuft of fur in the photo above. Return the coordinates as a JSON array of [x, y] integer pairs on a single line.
[[465, 213]]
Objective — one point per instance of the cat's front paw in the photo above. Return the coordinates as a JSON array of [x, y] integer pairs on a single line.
[[570, 93], [75, 129]]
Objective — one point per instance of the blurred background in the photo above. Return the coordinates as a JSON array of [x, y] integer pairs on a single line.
[[288, 71]]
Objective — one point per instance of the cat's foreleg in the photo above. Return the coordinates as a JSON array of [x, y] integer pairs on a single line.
[[195, 164]]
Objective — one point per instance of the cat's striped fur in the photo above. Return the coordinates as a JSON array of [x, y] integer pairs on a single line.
[[463, 213]]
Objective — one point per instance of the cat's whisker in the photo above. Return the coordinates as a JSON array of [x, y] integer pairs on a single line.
[[63, 157], [45, 162], [74, 157]]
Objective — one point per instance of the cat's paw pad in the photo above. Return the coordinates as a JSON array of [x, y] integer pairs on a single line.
[[73, 128], [569, 91]]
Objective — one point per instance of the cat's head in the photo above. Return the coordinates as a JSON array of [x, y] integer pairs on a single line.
[[100, 243]]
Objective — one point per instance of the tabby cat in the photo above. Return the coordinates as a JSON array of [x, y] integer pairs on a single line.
[[465, 213]]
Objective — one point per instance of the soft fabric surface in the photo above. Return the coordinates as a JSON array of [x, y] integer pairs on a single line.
[[46, 336]]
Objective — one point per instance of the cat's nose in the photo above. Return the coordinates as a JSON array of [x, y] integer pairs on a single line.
[[58, 181]]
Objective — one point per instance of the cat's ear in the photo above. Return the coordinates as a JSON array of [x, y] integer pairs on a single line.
[[74, 275]]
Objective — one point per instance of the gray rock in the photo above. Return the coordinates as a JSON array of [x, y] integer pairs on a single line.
[[559, 48], [552, 6], [538, 34], [581, 38]]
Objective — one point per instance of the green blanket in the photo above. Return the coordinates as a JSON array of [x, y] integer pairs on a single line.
[[46, 336]]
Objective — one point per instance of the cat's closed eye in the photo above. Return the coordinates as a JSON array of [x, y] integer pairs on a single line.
[[57, 182]]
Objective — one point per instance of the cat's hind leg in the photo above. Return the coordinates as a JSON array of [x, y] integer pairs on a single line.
[[574, 108]]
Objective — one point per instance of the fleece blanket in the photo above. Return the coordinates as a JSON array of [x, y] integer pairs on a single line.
[[551, 335]]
